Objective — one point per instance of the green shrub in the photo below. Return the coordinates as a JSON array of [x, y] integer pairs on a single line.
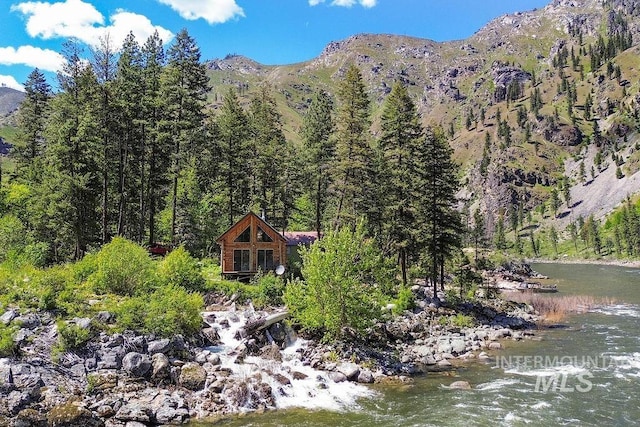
[[180, 268], [461, 321], [172, 310], [131, 312], [404, 301], [71, 336], [168, 311], [268, 290], [342, 285], [123, 268], [8, 346]]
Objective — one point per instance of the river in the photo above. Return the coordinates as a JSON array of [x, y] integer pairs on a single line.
[[585, 372]]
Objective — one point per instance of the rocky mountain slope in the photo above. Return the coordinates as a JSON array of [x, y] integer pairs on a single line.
[[10, 100], [586, 102]]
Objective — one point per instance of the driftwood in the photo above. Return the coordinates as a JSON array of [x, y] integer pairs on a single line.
[[257, 325]]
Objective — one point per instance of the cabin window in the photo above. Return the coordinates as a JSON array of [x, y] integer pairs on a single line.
[[263, 236], [241, 260], [265, 259], [245, 236]]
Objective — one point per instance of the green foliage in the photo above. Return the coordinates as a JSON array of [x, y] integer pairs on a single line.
[[404, 301], [121, 267], [173, 310], [8, 346], [342, 286], [168, 311], [461, 321], [71, 337], [268, 290], [180, 268]]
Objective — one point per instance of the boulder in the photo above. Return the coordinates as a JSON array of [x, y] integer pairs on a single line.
[[159, 346], [337, 377], [29, 418], [193, 376], [136, 364], [365, 376], [29, 321], [160, 366], [8, 316], [72, 415], [349, 370], [134, 411]]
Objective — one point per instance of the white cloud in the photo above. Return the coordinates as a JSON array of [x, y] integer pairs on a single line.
[[10, 81], [75, 18], [212, 11], [44, 59], [346, 3]]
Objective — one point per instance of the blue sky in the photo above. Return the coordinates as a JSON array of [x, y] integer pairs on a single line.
[[269, 31]]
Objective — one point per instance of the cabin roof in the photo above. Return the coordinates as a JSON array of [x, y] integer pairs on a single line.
[[295, 238], [260, 221]]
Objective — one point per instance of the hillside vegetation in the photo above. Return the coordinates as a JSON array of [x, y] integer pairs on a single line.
[[540, 108]]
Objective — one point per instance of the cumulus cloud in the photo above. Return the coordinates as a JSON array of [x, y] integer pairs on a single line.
[[10, 81], [81, 20], [212, 11], [346, 3], [44, 59]]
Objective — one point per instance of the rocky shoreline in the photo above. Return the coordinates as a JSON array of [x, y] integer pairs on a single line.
[[238, 363]]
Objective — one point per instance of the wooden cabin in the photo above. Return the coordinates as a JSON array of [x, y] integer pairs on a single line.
[[250, 245]]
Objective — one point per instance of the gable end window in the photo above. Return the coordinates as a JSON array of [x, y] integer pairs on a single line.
[[244, 237], [263, 236]]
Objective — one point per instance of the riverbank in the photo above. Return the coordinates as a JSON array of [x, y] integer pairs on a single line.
[[601, 261], [242, 360]]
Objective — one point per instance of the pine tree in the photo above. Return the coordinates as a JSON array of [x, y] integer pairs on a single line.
[[439, 221], [155, 148], [128, 91], [104, 66], [355, 160], [269, 147], [69, 190], [235, 144], [317, 128], [400, 141], [32, 116], [185, 87]]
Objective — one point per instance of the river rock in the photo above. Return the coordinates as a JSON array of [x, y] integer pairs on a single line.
[[29, 418], [337, 377], [299, 375], [365, 376], [136, 364], [29, 321], [72, 415], [458, 346], [494, 345], [8, 316], [169, 415], [134, 411], [278, 332], [282, 379], [461, 385], [193, 376], [349, 370], [160, 366], [271, 352], [158, 346]]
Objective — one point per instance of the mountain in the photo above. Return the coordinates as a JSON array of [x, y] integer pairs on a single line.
[[552, 88], [10, 100]]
